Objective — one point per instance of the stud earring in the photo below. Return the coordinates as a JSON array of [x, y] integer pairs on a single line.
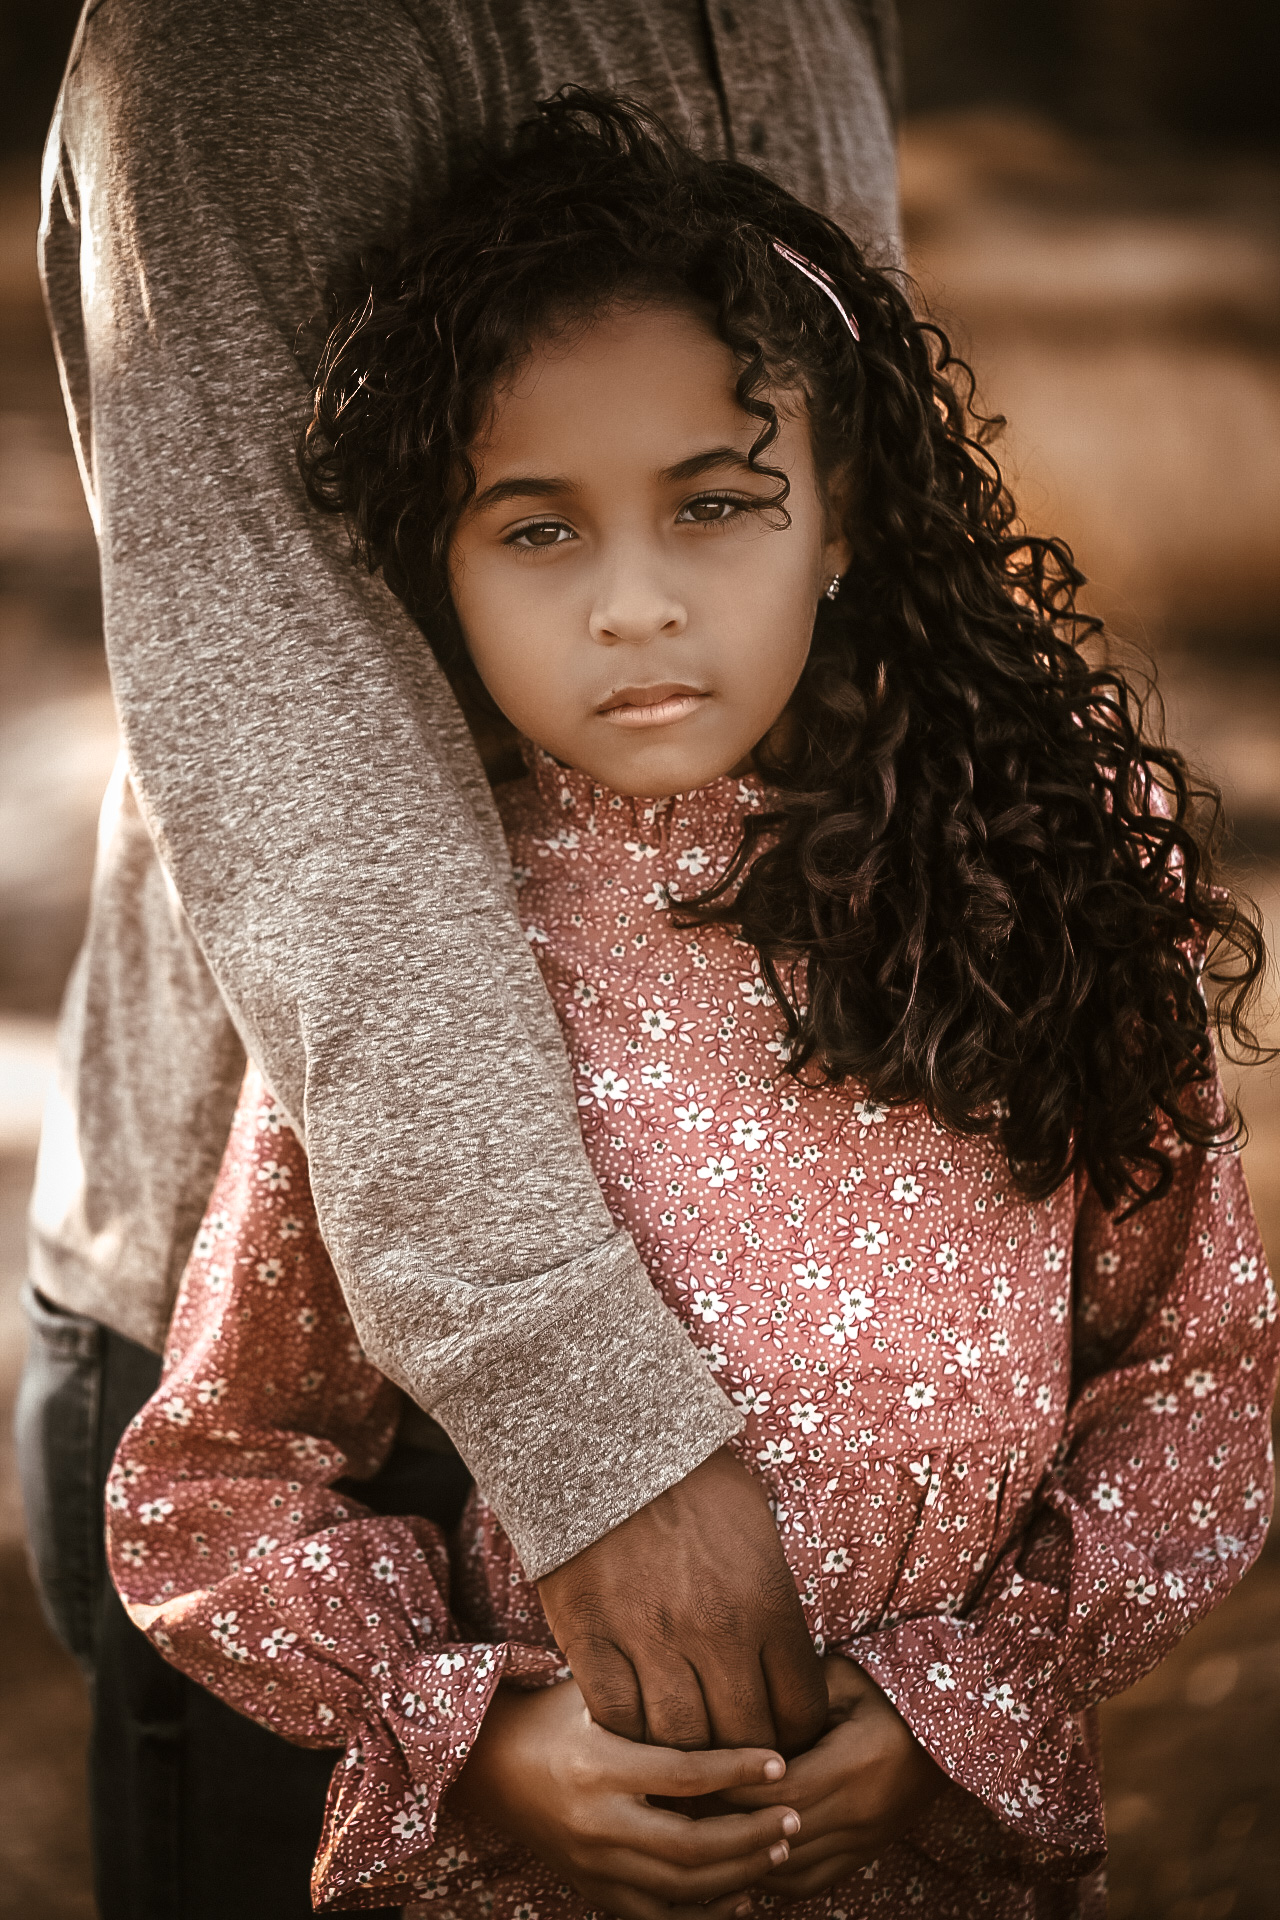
[[833, 587]]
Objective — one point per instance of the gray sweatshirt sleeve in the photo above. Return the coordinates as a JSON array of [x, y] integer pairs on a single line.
[[301, 767]]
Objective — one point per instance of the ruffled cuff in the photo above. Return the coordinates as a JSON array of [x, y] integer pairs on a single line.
[[383, 1827], [1030, 1800]]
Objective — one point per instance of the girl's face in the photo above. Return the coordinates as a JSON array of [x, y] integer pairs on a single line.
[[624, 595]]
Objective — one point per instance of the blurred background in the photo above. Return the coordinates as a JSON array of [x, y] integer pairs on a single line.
[[1091, 191]]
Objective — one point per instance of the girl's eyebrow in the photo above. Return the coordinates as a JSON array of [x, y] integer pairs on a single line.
[[521, 486], [705, 462], [533, 486]]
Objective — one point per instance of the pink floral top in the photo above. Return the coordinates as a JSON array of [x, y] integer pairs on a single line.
[[1016, 1449]]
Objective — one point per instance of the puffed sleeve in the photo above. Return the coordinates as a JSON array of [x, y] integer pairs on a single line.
[[246, 1565], [1156, 1505]]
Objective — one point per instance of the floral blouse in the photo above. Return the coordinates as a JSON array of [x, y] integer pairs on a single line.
[[1015, 1448]]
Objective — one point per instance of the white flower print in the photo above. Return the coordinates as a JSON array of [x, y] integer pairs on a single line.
[[270, 1272], [655, 1023], [1107, 1262], [408, 1822], [1005, 1701], [751, 1399], [316, 1556], [274, 1177], [1162, 1402], [1243, 1269], [177, 1413], [755, 991], [812, 1271], [806, 1416], [908, 1193], [869, 1113], [919, 1394], [776, 1453], [1054, 1257], [1203, 1514], [262, 1546], [607, 1086], [277, 1642], [655, 1074], [872, 1238], [942, 1676], [152, 1512], [838, 1560], [1108, 1496], [1141, 1589], [270, 1118], [1201, 1382], [383, 1568], [693, 861], [584, 993], [210, 1392], [642, 850], [133, 1552], [658, 896], [449, 1663], [719, 1172], [709, 1305], [749, 1133], [695, 1118]]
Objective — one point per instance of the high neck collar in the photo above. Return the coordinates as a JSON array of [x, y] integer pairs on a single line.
[[694, 833]]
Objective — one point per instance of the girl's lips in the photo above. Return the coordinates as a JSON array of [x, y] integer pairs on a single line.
[[651, 706]]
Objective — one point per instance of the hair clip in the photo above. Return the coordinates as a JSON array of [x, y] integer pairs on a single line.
[[820, 281]]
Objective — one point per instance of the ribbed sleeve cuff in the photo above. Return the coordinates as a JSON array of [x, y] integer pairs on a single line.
[[590, 1401]]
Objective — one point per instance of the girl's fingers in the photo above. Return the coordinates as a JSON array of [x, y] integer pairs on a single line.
[[632, 1768], [810, 1777], [828, 1846], [693, 1844], [677, 1885], [829, 1874], [631, 1904]]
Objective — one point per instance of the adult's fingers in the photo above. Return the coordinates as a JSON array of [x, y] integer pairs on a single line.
[[864, 1842], [738, 1706], [675, 1713], [608, 1684], [797, 1684]]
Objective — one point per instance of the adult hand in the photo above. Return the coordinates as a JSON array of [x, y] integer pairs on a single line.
[[856, 1791], [683, 1626], [543, 1772]]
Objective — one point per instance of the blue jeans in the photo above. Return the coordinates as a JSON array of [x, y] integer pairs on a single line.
[[196, 1812]]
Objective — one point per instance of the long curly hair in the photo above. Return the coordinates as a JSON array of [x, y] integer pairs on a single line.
[[980, 884]]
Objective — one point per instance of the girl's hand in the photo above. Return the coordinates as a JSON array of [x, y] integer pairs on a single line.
[[856, 1790], [543, 1772]]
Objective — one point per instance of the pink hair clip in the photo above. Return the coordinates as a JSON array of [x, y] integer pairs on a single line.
[[820, 281]]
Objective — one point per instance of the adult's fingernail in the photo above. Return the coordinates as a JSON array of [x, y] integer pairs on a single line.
[[780, 1853], [741, 1911], [774, 1769], [791, 1824]]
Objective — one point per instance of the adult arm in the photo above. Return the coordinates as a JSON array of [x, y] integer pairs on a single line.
[[302, 770], [1157, 1505]]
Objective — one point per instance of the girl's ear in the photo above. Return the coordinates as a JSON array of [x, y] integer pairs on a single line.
[[837, 553]]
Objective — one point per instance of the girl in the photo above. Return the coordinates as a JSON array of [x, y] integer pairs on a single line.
[[875, 926]]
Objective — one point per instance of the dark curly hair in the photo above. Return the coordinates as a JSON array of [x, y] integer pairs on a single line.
[[981, 886]]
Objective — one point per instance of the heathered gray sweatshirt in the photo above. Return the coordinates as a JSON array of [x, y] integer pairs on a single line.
[[299, 855]]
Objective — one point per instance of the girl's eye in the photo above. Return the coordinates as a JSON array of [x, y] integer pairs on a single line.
[[713, 509], [541, 533]]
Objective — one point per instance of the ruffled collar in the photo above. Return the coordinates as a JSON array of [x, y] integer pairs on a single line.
[[692, 835]]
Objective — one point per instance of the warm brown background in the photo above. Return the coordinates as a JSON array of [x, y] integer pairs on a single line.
[[1092, 199]]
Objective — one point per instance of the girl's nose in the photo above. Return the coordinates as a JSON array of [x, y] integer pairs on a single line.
[[634, 608]]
